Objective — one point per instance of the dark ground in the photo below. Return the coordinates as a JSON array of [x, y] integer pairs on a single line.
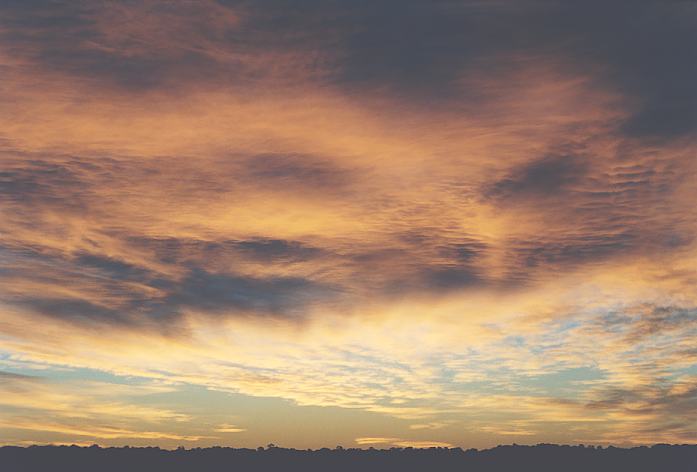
[[544, 457]]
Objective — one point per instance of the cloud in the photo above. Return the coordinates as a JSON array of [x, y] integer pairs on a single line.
[[220, 292], [255, 250], [422, 444], [31, 184], [228, 428], [82, 409], [71, 309], [371, 441], [548, 177], [368, 441], [130, 47], [113, 268], [363, 47], [99, 433], [651, 65], [297, 173], [433, 425], [475, 219]]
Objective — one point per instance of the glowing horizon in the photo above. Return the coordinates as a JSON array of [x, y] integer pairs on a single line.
[[367, 224]]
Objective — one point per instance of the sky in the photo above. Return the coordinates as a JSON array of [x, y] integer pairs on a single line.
[[357, 223]]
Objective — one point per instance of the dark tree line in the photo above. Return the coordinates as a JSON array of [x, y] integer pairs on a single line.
[[540, 458]]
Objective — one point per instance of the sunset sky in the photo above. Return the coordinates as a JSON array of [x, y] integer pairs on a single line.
[[366, 223]]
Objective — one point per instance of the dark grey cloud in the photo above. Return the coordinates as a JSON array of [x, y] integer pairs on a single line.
[[277, 250], [654, 342], [637, 324], [668, 410], [614, 398], [420, 261], [577, 250], [112, 268], [661, 320], [683, 402], [71, 309], [190, 251], [108, 290], [644, 50], [219, 294], [297, 172], [47, 265], [595, 208], [547, 177], [35, 183], [449, 277], [64, 36], [463, 251], [423, 278], [104, 290], [38, 182], [211, 292], [653, 337]]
